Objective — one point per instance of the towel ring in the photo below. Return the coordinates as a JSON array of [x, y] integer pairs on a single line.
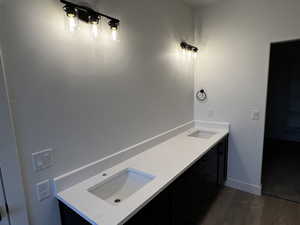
[[201, 95]]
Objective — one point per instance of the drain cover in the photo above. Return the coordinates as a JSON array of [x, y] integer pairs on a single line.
[[117, 200]]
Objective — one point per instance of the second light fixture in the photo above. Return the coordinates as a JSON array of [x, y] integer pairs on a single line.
[[75, 12], [187, 47]]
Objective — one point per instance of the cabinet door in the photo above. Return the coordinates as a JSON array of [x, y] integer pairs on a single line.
[[156, 212], [223, 158], [69, 217], [195, 190]]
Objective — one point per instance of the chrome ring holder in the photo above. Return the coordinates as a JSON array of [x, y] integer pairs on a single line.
[[201, 95]]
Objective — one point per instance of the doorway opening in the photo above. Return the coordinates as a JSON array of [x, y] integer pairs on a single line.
[[281, 160]]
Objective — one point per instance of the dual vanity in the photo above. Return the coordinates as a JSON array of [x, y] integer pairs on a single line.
[[169, 183]]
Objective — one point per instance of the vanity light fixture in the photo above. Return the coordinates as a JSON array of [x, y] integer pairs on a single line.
[[75, 12], [185, 46]]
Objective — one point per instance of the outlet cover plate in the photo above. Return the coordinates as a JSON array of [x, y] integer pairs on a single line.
[[42, 160], [43, 190]]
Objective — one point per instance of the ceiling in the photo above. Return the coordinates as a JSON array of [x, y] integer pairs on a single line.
[[201, 2]]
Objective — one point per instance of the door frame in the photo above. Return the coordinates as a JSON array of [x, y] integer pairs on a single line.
[[9, 157]]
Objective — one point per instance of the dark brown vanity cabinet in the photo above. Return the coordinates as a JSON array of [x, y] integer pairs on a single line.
[[185, 201], [197, 188]]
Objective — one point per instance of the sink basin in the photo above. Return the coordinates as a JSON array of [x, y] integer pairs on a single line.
[[120, 186], [202, 134]]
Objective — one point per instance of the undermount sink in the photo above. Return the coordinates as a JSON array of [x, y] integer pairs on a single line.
[[202, 134], [120, 186]]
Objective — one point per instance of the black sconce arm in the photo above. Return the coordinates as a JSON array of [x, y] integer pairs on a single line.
[[187, 46], [90, 11]]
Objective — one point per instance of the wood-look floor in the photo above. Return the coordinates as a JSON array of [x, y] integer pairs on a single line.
[[233, 207]]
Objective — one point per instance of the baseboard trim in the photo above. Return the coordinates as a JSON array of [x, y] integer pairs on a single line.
[[243, 186]]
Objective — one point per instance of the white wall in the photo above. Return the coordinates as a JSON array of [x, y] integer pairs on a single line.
[[235, 37], [88, 99]]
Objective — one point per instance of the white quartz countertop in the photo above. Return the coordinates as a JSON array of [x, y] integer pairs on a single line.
[[165, 161]]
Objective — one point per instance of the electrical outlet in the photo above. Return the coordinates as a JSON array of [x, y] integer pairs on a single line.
[[255, 115], [42, 160], [43, 190]]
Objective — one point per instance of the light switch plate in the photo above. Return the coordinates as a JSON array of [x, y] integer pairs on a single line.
[[43, 190], [42, 160]]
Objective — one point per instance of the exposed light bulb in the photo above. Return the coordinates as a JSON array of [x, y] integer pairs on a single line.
[[72, 23], [94, 30], [94, 22], [71, 20], [195, 54], [185, 52], [114, 24], [114, 33]]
